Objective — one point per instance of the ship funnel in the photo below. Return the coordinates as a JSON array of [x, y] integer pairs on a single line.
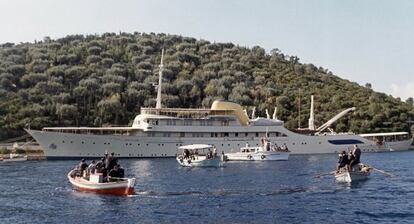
[[159, 88], [267, 114], [275, 114], [254, 113], [311, 117]]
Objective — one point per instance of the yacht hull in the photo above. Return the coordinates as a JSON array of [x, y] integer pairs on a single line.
[[60, 145]]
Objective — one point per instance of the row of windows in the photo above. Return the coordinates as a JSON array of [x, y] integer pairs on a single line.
[[189, 123], [162, 144], [214, 134]]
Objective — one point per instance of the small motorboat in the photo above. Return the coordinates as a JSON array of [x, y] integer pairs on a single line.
[[258, 153], [95, 184], [15, 158], [361, 173], [199, 158]]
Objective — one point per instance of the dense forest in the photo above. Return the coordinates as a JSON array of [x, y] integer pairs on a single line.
[[102, 80]]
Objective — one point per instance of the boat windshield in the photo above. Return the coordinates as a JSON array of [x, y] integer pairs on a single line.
[[196, 146]]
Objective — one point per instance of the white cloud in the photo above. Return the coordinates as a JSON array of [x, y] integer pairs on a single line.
[[403, 91]]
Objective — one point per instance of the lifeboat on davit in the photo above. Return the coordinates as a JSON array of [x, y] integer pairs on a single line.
[[95, 184]]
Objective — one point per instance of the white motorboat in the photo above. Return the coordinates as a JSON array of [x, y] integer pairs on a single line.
[[267, 151], [345, 176], [199, 157], [15, 158]]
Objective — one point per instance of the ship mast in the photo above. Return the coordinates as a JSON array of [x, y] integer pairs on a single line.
[[311, 117], [158, 105]]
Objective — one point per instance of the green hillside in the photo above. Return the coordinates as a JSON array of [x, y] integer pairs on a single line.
[[104, 80]]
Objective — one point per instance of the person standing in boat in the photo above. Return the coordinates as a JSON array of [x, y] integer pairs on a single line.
[[354, 157], [82, 166], [91, 168], [110, 162], [214, 151], [342, 161], [196, 153]]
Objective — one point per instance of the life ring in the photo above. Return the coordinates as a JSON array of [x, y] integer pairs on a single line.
[[249, 156], [263, 157]]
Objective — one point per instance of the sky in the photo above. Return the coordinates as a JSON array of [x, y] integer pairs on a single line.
[[368, 41]]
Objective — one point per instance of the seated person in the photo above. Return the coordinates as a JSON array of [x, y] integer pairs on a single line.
[[115, 172]]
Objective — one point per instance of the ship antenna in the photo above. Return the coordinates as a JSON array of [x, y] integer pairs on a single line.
[[275, 114], [254, 113], [158, 105]]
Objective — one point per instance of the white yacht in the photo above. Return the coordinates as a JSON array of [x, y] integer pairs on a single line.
[[157, 132]]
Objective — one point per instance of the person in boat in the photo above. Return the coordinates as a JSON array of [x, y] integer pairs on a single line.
[[121, 171], [196, 153], [214, 151], [110, 162], [284, 147], [99, 165], [342, 161], [82, 166], [114, 172], [355, 157], [91, 168], [186, 153]]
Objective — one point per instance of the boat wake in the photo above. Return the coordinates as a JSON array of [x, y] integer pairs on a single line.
[[232, 193]]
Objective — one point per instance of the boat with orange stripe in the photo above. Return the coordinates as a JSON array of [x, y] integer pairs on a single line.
[[95, 184]]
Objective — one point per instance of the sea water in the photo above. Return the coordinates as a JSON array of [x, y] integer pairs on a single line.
[[240, 192]]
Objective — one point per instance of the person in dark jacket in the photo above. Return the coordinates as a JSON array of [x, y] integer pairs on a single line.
[[355, 157], [110, 162], [342, 161], [82, 166], [115, 172]]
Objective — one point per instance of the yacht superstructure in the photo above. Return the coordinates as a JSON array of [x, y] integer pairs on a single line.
[[157, 132]]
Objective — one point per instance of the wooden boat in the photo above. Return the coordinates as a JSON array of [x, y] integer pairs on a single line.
[[345, 176], [94, 184], [200, 160]]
